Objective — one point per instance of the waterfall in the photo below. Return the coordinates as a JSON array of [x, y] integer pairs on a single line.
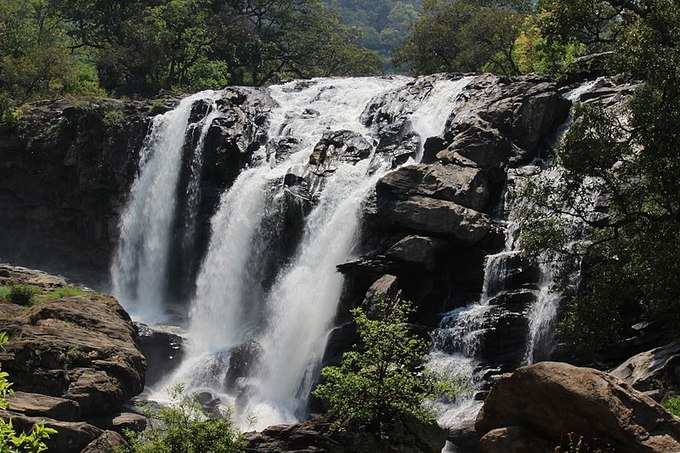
[[139, 268], [282, 319], [227, 311], [543, 313], [430, 117], [457, 340]]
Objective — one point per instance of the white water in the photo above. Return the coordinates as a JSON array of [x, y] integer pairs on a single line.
[[139, 267], [429, 119], [300, 306], [304, 298]]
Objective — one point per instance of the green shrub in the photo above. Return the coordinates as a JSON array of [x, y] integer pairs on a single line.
[[158, 107], [21, 294], [184, 427], [383, 382], [672, 405], [114, 118], [10, 440]]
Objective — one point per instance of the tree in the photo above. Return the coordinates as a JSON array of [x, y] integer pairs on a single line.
[[628, 158], [184, 427], [383, 381], [35, 59], [465, 36], [10, 440], [384, 24], [145, 46]]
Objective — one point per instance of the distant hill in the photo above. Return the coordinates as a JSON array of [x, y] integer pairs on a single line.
[[385, 23]]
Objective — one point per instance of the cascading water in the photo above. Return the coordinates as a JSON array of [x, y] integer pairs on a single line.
[[457, 340], [430, 117], [543, 313], [289, 320], [138, 272]]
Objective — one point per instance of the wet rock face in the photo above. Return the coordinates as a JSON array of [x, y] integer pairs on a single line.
[[73, 360], [550, 399], [163, 349], [427, 219]]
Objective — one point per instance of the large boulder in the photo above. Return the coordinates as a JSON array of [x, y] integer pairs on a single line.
[[435, 217], [468, 187], [72, 359], [554, 400], [648, 370], [317, 436], [503, 121]]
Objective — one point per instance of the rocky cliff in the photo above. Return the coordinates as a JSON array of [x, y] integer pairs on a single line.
[[428, 228], [73, 359]]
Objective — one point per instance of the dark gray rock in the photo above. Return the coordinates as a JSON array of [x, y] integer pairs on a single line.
[[108, 442], [468, 187], [242, 358], [418, 251], [434, 217], [648, 370], [163, 350]]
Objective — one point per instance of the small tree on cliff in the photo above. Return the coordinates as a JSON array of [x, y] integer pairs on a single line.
[[382, 382]]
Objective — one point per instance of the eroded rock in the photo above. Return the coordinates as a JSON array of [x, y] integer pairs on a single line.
[[553, 399]]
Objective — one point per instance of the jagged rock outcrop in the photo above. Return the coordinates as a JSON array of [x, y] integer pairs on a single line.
[[68, 167], [550, 401], [426, 218], [74, 360], [651, 369], [316, 435]]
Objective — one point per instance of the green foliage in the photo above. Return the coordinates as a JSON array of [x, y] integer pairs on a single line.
[[384, 24], [672, 405], [21, 294], [59, 293], [183, 427], [629, 157], [28, 294], [534, 53], [382, 382], [10, 440], [114, 118], [466, 35]]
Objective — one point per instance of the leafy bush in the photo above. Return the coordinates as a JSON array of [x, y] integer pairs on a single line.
[[21, 294], [10, 441], [383, 381], [114, 118], [673, 405], [184, 427], [208, 75]]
